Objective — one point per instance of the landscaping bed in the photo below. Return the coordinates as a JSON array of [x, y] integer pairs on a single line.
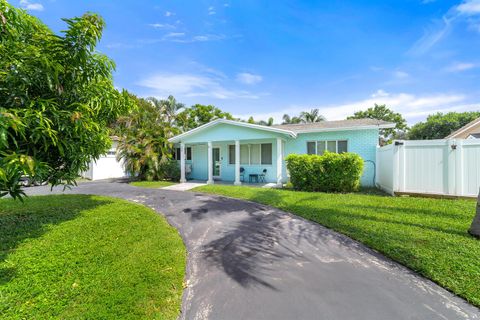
[[89, 257], [427, 235]]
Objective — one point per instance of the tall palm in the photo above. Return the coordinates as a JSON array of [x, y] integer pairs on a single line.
[[312, 116], [144, 141], [290, 120], [267, 123], [169, 107]]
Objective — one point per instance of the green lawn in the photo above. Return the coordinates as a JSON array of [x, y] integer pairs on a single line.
[[428, 235], [88, 257], [152, 184]]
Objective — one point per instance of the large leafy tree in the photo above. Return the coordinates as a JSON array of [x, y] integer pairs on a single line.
[[440, 125], [382, 112], [198, 115], [56, 98], [143, 139]]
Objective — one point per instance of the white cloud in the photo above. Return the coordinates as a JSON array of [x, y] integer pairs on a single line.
[[208, 37], [249, 78], [468, 10], [211, 10], [412, 107], [31, 6], [400, 74], [432, 36], [192, 85], [469, 7], [461, 66], [162, 26], [174, 35], [181, 37], [169, 14]]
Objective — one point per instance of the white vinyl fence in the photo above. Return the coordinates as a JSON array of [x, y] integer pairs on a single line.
[[446, 167]]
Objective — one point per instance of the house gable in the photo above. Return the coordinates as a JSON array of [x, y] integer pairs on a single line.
[[226, 130]]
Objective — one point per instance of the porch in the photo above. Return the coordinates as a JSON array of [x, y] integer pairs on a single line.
[[254, 161], [232, 152]]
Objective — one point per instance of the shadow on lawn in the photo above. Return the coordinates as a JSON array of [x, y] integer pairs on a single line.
[[28, 220]]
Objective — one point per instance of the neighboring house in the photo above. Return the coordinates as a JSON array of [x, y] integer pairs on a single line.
[[210, 150], [469, 131], [107, 166]]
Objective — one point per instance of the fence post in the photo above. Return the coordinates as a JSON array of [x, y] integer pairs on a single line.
[[377, 165], [459, 167], [449, 167], [398, 166], [402, 150]]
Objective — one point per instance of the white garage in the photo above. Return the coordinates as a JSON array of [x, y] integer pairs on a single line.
[[107, 166]]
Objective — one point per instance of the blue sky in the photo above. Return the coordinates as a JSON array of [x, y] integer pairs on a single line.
[[267, 58]]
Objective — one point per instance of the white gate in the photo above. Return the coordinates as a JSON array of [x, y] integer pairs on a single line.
[[447, 167]]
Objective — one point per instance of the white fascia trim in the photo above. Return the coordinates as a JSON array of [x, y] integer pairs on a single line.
[[459, 131], [381, 126], [236, 123]]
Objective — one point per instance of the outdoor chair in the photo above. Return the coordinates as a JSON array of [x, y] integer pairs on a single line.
[[262, 175]]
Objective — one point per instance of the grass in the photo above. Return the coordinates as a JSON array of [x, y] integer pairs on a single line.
[[152, 184], [427, 235], [88, 257]]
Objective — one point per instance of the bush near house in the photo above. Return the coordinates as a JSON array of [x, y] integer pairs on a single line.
[[169, 170], [331, 172]]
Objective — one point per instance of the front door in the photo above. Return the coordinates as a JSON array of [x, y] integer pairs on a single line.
[[216, 163]]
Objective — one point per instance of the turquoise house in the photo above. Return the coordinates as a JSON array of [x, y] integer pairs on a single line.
[[210, 151]]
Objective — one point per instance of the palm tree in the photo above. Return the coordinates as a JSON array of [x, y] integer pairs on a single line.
[[267, 123], [290, 120], [312, 116], [168, 107], [144, 135]]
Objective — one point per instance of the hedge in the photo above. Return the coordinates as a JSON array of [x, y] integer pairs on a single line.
[[331, 172]]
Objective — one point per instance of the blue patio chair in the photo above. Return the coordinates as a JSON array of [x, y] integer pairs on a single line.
[[242, 174], [262, 175]]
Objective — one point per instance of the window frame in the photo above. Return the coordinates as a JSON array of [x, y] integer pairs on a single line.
[[250, 155], [176, 153], [315, 142]]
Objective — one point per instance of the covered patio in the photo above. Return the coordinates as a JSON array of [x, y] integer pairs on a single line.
[[227, 151]]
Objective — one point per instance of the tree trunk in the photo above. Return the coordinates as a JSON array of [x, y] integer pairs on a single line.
[[475, 227]]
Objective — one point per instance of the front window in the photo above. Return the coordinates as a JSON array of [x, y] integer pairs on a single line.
[[252, 154], [176, 153], [319, 147]]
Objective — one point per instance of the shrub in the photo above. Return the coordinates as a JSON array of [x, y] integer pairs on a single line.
[[169, 170], [330, 172]]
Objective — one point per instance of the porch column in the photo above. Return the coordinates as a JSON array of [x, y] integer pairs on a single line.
[[182, 163], [279, 162], [237, 163], [210, 163]]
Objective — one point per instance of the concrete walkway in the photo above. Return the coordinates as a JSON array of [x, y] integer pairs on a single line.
[[249, 261], [184, 186]]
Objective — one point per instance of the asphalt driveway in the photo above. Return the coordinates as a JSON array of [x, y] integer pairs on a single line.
[[249, 261]]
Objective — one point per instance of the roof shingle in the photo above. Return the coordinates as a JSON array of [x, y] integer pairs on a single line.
[[338, 124]]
